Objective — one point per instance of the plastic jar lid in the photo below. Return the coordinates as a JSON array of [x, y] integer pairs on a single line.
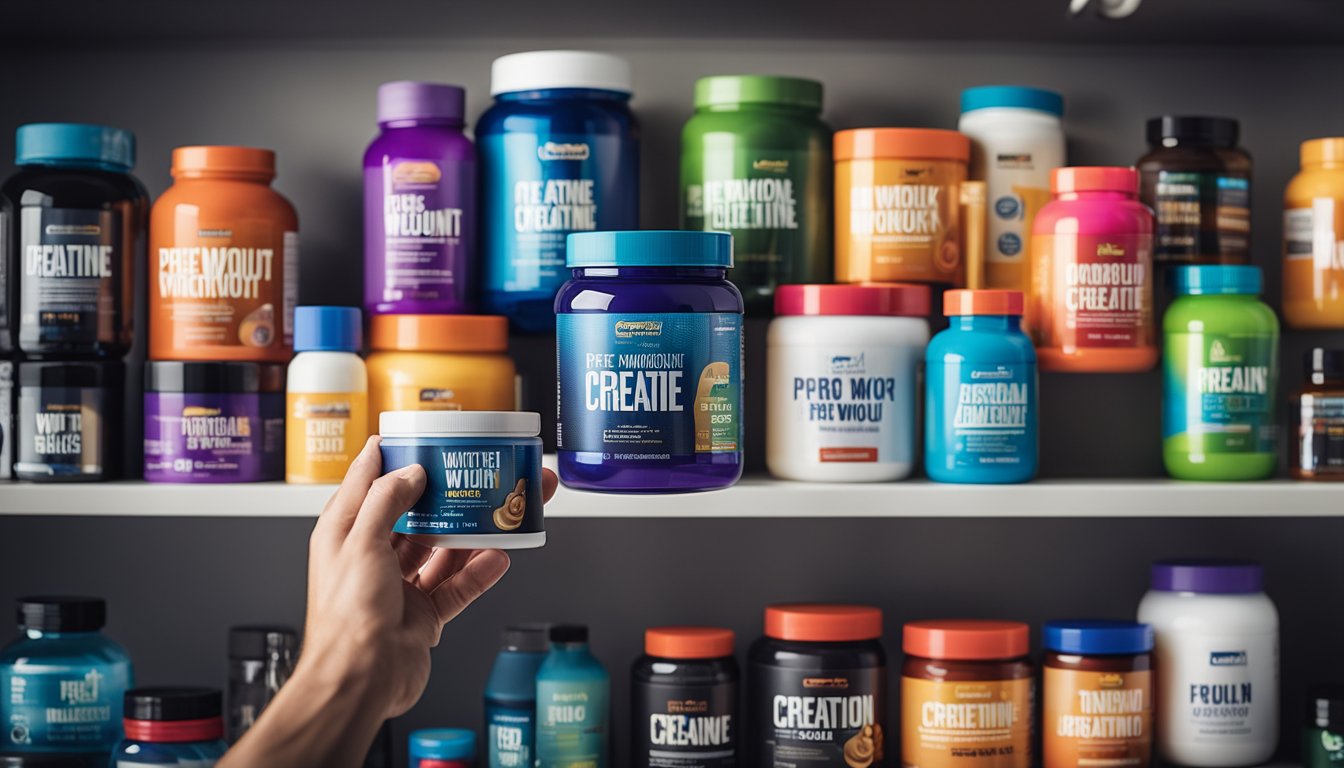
[[546, 70], [459, 424], [1325, 707], [823, 623], [439, 333], [75, 143], [1094, 179], [261, 642], [226, 378], [443, 744], [81, 374], [1169, 130], [414, 100], [173, 715], [1098, 636], [650, 248], [246, 162], [966, 639], [688, 642], [1217, 577], [62, 613], [1318, 151], [1226, 280], [728, 90], [963, 302], [327, 329], [902, 143], [1012, 97], [891, 299]]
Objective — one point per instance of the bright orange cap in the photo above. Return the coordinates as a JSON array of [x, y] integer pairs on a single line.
[[1317, 151], [900, 143], [966, 639], [439, 333], [982, 302], [822, 623], [688, 642], [225, 161], [1104, 178]]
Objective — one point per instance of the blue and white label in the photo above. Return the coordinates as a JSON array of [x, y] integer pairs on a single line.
[[992, 414], [510, 733], [472, 487], [75, 707]]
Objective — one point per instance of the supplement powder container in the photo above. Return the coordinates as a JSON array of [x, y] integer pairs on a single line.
[[443, 748], [69, 421], [1098, 687], [1313, 238], [756, 163], [1217, 663], [649, 343], [842, 374], [1318, 418], [817, 688], [1220, 375], [968, 695], [1323, 731], [684, 699], [559, 153], [327, 399], [419, 203], [897, 205], [61, 682], [79, 233], [172, 726], [483, 476], [224, 260]]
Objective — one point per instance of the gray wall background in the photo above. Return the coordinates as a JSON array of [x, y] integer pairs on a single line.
[[175, 585]]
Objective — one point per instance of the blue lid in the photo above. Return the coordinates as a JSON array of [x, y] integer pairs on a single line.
[[1019, 96], [1098, 636], [1219, 280], [327, 329], [98, 146], [443, 744], [650, 248]]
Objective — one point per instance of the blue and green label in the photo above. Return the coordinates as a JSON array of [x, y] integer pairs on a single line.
[[474, 488], [990, 412], [74, 707], [510, 732], [1220, 391], [650, 386], [572, 723]]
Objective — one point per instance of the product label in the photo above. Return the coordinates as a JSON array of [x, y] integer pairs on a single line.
[[1220, 393], [646, 387], [1098, 719], [1202, 214], [537, 189], [572, 722], [1320, 433], [982, 724], [685, 726], [61, 431], [835, 719], [211, 437], [1310, 235], [1322, 747], [989, 414], [901, 219], [1013, 207], [70, 267], [1219, 689], [509, 735], [57, 706], [324, 433], [471, 488], [1099, 291], [425, 231], [6, 418]]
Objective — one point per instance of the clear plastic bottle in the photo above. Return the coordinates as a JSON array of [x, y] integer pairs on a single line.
[[327, 394], [261, 660]]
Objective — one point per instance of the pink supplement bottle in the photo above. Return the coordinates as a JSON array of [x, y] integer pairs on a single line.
[[1092, 274]]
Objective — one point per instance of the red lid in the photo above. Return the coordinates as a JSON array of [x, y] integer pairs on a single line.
[[174, 731], [689, 642], [1094, 179], [966, 639], [822, 623], [892, 299], [982, 302]]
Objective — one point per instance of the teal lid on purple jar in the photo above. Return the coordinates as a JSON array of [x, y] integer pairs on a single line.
[[1214, 577], [415, 100]]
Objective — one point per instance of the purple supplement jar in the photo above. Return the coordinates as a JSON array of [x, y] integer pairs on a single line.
[[214, 422], [419, 203], [649, 339]]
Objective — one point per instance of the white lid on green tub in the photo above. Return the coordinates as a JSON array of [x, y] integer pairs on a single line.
[[459, 424]]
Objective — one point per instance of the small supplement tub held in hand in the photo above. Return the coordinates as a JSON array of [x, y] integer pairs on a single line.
[[482, 476]]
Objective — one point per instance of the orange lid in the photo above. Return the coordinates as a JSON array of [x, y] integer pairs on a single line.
[[1101, 178], [439, 333], [966, 639], [822, 623], [982, 302], [896, 143], [225, 161], [1318, 151], [688, 642]]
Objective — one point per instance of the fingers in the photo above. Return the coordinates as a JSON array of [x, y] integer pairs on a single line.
[[388, 497], [441, 566], [549, 482], [411, 555], [482, 571], [340, 513]]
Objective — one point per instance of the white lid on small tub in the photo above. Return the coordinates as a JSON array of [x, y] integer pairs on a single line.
[[548, 70], [459, 424]]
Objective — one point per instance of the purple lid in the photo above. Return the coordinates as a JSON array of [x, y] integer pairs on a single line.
[[414, 100], [1222, 577]]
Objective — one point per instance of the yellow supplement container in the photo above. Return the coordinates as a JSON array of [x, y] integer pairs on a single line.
[[1313, 238]]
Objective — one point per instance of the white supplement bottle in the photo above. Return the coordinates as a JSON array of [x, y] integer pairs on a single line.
[[327, 400], [1217, 663], [1016, 140], [842, 374]]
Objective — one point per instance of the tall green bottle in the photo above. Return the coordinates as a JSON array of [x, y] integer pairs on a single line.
[[756, 162]]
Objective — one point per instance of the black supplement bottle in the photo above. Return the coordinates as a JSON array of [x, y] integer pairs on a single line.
[[684, 699]]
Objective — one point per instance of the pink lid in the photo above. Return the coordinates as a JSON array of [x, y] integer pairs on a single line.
[[891, 299], [1106, 178]]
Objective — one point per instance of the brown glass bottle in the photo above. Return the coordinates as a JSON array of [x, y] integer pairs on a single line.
[[1318, 418]]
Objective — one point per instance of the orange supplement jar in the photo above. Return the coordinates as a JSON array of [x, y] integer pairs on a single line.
[[968, 695], [897, 205], [223, 260], [1313, 238], [1092, 274], [1098, 688], [439, 363]]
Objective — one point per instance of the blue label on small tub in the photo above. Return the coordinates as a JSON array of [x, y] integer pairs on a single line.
[[472, 489]]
